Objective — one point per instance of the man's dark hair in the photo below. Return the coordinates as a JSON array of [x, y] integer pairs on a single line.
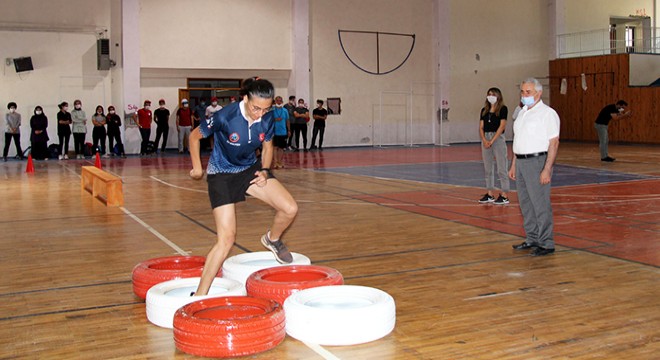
[[292, 97], [11, 105], [319, 101], [622, 103]]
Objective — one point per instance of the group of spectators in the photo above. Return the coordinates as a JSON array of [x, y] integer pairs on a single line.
[[74, 122]]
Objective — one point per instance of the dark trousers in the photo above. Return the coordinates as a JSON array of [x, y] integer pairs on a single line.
[[299, 129], [164, 131], [111, 139], [318, 130], [145, 134], [64, 144], [17, 143], [79, 143], [98, 135], [39, 150]]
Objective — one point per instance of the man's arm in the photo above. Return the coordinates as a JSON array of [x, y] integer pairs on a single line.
[[546, 173]]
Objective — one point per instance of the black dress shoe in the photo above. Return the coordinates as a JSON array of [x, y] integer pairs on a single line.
[[523, 246], [539, 251]]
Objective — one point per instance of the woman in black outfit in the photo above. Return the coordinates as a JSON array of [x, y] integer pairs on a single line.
[[39, 135], [114, 131], [64, 129]]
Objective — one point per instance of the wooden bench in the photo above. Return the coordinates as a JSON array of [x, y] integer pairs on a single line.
[[102, 185]]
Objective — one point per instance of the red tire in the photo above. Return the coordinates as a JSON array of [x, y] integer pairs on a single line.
[[229, 326], [279, 282], [155, 271]]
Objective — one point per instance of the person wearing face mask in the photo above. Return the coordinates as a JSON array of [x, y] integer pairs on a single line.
[[64, 130], [12, 131], [114, 132], [144, 118], [290, 106], [99, 132], [184, 119], [493, 146], [211, 109], [162, 118], [79, 121], [300, 119], [234, 171], [39, 135], [616, 111], [282, 131], [535, 146]]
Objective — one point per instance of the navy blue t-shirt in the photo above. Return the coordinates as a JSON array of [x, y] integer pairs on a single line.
[[235, 142]]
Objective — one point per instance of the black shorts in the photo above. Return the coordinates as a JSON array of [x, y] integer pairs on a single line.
[[230, 188], [280, 141]]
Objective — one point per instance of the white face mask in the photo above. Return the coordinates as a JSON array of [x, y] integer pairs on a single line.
[[12, 110], [491, 99], [527, 100], [78, 107], [111, 112], [38, 112], [185, 104], [214, 103], [147, 107], [66, 108], [620, 109]]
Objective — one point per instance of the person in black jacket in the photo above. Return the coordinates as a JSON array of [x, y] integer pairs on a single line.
[[39, 134], [114, 132]]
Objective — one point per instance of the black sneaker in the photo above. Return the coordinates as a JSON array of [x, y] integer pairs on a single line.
[[486, 199], [539, 251], [501, 200], [608, 159], [282, 254]]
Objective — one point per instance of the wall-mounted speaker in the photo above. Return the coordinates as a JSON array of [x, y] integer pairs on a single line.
[[23, 64], [103, 54]]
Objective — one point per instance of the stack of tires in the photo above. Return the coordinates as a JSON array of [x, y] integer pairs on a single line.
[[309, 303]]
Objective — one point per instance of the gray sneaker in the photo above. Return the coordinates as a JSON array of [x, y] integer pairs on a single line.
[[282, 254]]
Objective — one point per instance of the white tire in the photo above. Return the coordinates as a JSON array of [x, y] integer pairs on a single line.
[[164, 299], [240, 267], [339, 315]]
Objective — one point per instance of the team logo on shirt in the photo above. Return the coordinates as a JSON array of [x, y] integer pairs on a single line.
[[234, 137], [262, 137]]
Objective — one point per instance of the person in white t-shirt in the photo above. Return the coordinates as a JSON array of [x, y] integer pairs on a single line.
[[535, 145], [211, 109]]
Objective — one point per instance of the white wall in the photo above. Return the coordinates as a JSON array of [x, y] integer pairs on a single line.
[[61, 39], [334, 76], [511, 41], [586, 15], [215, 34]]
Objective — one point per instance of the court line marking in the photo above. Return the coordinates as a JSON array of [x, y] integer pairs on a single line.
[[176, 186], [327, 355], [155, 232], [632, 198]]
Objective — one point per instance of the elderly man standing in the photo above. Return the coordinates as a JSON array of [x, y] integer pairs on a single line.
[[535, 144]]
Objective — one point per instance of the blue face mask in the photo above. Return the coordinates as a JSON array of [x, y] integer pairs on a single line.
[[527, 100]]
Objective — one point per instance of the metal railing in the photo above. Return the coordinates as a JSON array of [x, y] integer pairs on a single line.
[[607, 41]]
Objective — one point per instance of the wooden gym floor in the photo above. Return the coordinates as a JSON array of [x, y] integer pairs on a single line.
[[405, 220]]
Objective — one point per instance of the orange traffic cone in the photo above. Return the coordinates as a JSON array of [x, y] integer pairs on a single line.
[[30, 165], [97, 163]]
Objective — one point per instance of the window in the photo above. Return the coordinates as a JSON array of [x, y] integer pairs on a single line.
[[630, 39], [204, 89]]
